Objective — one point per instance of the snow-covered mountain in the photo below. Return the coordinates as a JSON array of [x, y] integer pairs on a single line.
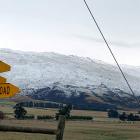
[[86, 83], [38, 70]]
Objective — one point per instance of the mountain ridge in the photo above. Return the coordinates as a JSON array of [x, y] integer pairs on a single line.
[[52, 67], [81, 81]]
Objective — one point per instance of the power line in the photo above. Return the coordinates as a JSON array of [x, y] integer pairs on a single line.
[[129, 86]]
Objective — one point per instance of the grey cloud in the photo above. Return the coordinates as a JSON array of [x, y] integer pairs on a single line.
[[116, 43]]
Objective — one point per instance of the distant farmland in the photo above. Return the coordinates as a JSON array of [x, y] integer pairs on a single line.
[[102, 128]]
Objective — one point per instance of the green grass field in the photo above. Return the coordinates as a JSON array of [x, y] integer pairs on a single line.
[[101, 128]]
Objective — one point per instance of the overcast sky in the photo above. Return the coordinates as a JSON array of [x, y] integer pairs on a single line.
[[66, 27]]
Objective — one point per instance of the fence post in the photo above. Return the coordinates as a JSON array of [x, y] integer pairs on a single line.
[[60, 128]]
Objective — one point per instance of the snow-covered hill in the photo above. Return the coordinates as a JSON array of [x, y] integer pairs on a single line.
[[38, 70]]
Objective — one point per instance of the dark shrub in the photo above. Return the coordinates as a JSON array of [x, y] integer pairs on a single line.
[[29, 117], [64, 111], [138, 112], [80, 118], [131, 117], [20, 112], [2, 116], [137, 118], [113, 114], [123, 116], [45, 117]]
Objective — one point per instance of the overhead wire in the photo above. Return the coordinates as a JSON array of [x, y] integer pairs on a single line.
[[108, 46]]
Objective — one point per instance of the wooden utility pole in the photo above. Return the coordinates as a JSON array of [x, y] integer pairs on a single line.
[[60, 128]]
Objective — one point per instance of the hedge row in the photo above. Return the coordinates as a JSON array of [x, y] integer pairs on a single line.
[[44, 117], [29, 117], [80, 118]]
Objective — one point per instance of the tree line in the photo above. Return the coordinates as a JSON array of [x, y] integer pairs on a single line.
[[123, 116], [65, 110], [40, 104]]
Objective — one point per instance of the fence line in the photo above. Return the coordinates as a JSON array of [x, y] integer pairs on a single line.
[[58, 132]]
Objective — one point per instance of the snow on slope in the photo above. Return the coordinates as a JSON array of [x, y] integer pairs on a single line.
[[38, 70]]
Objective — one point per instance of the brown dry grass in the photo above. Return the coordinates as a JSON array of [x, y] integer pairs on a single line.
[[101, 128], [77, 130]]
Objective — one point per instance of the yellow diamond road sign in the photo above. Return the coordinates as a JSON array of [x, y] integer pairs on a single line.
[[4, 67], [2, 80], [8, 90]]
